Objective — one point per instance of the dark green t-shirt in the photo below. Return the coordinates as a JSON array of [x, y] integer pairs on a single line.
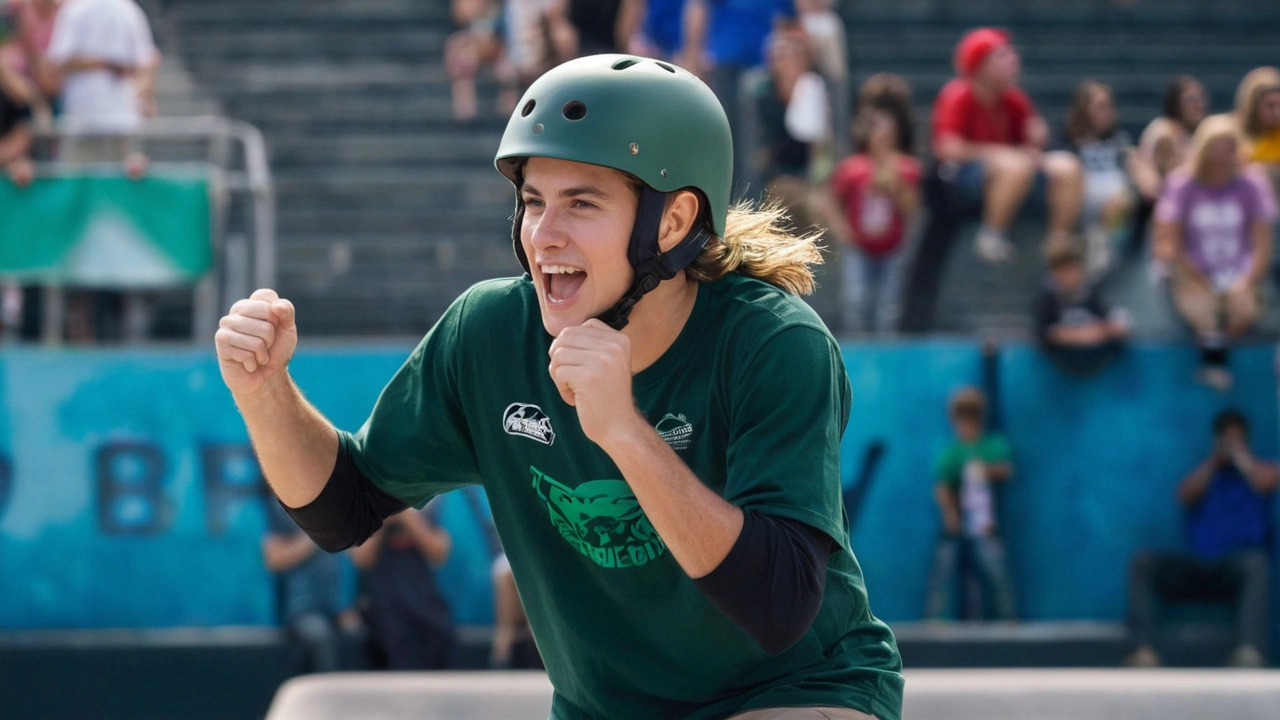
[[752, 395]]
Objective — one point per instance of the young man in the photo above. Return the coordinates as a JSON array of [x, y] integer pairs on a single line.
[[990, 140], [655, 418], [1228, 500]]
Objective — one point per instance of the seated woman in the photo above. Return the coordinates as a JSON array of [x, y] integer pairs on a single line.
[[1214, 233], [1162, 147], [1258, 112], [1111, 171]]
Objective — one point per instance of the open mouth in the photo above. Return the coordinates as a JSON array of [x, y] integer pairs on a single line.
[[562, 282]]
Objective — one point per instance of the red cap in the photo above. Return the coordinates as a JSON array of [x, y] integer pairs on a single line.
[[973, 49]]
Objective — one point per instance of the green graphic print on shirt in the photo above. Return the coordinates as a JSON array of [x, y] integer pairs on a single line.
[[601, 519], [753, 398]]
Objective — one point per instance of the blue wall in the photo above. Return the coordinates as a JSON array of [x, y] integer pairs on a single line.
[[129, 497]]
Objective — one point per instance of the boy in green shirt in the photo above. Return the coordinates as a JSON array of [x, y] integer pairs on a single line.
[[653, 412], [968, 473]]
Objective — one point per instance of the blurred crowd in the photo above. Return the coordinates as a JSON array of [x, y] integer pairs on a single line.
[[397, 617], [1195, 195], [88, 66]]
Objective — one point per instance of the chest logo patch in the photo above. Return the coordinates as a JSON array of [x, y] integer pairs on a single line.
[[528, 421], [600, 519], [676, 430]]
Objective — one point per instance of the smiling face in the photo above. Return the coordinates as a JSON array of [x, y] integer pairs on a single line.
[[577, 223]]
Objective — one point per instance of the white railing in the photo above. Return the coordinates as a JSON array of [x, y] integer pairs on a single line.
[[235, 154]]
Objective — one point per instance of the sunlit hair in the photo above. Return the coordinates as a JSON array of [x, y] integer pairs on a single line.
[[968, 403], [1215, 127], [1078, 125], [760, 242], [1257, 83]]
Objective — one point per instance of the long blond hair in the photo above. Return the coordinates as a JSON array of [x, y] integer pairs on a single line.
[[760, 242], [1214, 127], [1253, 86]]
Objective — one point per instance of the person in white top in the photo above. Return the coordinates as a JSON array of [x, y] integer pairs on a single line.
[[105, 58]]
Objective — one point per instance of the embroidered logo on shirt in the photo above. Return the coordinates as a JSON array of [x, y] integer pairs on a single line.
[[528, 421], [676, 430], [600, 519]]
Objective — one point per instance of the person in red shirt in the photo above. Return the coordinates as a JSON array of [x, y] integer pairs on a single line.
[[878, 190], [989, 141]]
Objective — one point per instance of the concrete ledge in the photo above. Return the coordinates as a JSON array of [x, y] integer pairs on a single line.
[[931, 695]]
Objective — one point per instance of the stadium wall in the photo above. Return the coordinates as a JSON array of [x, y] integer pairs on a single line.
[[129, 496]]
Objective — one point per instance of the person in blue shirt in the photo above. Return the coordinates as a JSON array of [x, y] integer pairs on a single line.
[[723, 41], [1227, 498]]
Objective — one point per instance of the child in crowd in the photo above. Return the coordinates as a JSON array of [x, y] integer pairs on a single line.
[[1106, 155], [968, 473], [878, 190], [1213, 233], [1077, 330]]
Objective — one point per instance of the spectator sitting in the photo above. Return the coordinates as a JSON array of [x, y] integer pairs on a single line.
[[1162, 147], [967, 475], [989, 139], [1227, 499], [1106, 154], [476, 42], [1214, 234], [794, 122], [312, 607], [1258, 113], [1076, 329], [652, 28], [513, 646], [878, 190], [1165, 140], [408, 615]]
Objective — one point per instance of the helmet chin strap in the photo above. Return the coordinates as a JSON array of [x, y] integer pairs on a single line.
[[650, 264]]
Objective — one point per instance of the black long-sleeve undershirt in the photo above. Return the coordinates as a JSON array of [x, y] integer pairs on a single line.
[[770, 584]]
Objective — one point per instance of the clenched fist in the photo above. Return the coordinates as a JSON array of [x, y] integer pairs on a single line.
[[255, 341]]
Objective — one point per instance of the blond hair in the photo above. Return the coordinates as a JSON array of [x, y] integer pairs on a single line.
[[759, 242], [1253, 86], [1214, 128]]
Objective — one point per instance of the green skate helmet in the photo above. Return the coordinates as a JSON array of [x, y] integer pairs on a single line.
[[647, 118]]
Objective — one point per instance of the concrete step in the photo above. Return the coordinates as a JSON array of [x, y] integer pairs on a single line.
[[308, 13]]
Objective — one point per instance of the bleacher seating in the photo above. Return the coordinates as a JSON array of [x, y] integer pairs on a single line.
[[388, 209]]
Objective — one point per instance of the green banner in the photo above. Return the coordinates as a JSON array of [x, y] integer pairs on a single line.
[[103, 231]]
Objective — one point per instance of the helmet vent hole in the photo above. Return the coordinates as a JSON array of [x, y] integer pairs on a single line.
[[624, 63], [528, 108], [574, 110], [665, 66]]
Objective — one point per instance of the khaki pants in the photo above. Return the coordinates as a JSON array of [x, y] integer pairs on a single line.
[[803, 713], [1211, 313]]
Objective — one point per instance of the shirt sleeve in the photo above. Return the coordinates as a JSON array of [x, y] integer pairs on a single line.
[[416, 444], [145, 44], [1021, 110], [998, 449], [787, 410], [1045, 314], [946, 469], [62, 41], [1263, 205], [948, 114]]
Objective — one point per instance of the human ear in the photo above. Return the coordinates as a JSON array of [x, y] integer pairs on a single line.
[[678, 218]]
